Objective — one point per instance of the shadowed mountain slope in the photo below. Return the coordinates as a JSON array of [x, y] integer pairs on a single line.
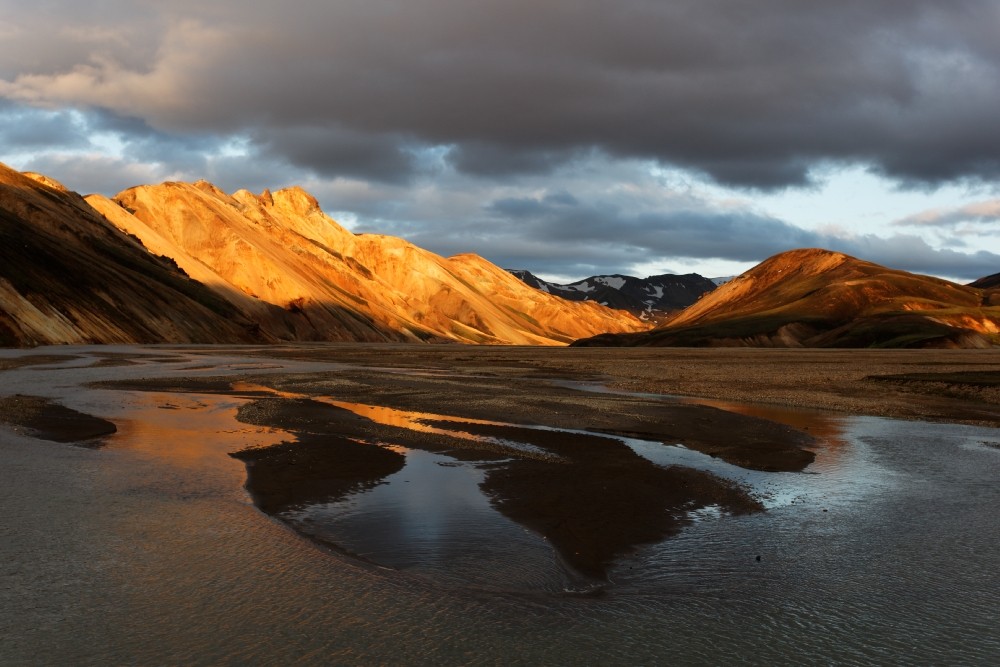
[[987, 282], [818, 298], [654, 298], [69, 276]]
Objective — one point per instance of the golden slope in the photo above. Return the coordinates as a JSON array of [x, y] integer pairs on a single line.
[[818, 298], [281, 249], [68, 276]]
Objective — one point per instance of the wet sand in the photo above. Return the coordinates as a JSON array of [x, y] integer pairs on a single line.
[[141, 551], [965, 387], [48, 420], [586, 492]]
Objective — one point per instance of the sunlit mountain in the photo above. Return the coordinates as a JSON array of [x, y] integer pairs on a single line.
[[183, 262], [818, 298]]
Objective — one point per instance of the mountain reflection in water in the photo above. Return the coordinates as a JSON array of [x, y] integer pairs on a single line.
[[149, 552]]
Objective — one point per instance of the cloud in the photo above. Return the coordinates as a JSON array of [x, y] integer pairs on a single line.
[[492, 159], [336, 152], [27, 129], [91, 172], [912, 253], [562, 137], [751, 94], [709, 233], [977, 212], [573, 224]]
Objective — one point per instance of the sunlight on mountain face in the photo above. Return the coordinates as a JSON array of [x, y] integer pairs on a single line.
[[818, 298], [183, 262], [282, 249], [273, 265]]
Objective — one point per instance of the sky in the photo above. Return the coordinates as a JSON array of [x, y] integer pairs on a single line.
[[569, 138]]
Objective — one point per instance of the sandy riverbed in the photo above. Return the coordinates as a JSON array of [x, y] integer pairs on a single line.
[[581, 488], [113, 548]]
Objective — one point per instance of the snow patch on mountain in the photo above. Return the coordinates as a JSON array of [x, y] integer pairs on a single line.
[[652, 298], [614, 282]]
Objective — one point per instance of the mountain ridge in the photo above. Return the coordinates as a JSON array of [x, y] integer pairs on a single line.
[[654, 298], [68, 276], [991, 281], [275, 266], [819, 298]]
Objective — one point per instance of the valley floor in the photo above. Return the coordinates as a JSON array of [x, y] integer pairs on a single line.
[[508, 480], [961, 386]]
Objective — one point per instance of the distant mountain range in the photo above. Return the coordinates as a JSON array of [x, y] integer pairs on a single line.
[[654, 298], [182, 262], [818, 298]]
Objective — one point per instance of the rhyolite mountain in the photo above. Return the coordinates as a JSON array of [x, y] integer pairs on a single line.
[[991, 281], [68, 276], [181, 262], [818, 298], [654, 298]]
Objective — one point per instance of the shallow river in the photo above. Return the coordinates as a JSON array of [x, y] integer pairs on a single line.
[[148, 551]]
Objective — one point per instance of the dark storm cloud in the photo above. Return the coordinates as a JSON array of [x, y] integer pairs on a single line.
[[332, 151], [751, 93], [731, 235], [603, 235], [525, 131], [488, 159]]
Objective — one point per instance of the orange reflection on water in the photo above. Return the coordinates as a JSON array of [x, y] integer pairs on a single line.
[[414, 421], [828, 429], [410, 420], [190, 430], [253, 388]]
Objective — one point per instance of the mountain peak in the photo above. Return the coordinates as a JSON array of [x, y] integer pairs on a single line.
[[804, 261], [208, 187], [654, 298], [45, 180], [272, 266], [296, 200], [819, 298], [292, 200]]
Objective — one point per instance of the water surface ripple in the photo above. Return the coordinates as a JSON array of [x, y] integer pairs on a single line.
[[149, 552]]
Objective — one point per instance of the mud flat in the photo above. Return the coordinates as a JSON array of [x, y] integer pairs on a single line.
[[554, 456], [768, 537], [48, 420], [957, 386], [576, 483]]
